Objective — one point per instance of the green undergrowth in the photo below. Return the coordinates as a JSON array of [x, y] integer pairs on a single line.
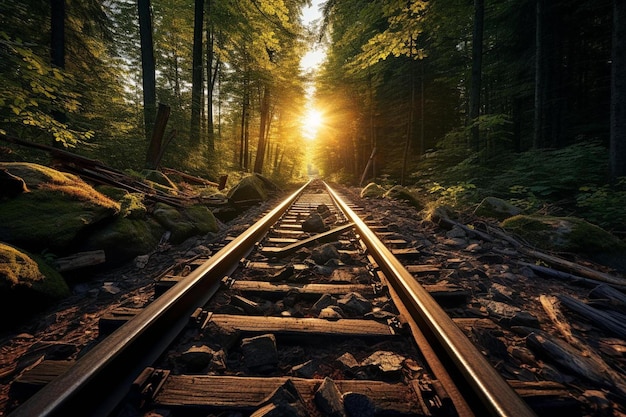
[[570, 181]]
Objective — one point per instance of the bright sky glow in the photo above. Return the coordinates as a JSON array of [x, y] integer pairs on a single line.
[[313, 59], [311, 123]]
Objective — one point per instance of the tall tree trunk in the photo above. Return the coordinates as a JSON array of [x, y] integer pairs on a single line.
[[409, 124], [477, 62], [618, 92], [57, 49], [540, 75], [212, 67], [196, 79], [265, 111], [147, 66]]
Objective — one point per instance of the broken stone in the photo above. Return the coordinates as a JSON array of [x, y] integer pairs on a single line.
[[348, 361], [356, 303], [358, 405], [284, 274], [260, 351], [110, 288], [197, 357], [141, 261], [323, 211], [325, 300], [331, 313], [324, 253], [500, 292], [385, 362], [508, 315], [314, 224], [456, 232], [305, 370], [284, 401], [341, 275], [221, 337], [329, 400]]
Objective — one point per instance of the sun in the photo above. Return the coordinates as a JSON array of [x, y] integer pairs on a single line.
[[311, 123]]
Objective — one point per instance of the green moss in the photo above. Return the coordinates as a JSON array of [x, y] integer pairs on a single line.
[[174, 221], [47, 218], [17, 268], [125, 238], [567, 234], [131, 206], [34, 174], [20, 270], [114, 193], [202, 218], [398, 192], [372, 190], [58, 206]]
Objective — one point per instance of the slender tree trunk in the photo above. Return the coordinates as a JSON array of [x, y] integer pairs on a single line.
[[57, 49], [57, 35], [147, 66], [409, 125], [196, 80], [477, 62], [211, 74], [265, 111], [618, 92]]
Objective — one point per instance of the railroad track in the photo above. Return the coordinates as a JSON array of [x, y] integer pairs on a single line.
[[284, 321]]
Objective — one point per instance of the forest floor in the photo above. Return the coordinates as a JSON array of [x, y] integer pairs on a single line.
[[495, 274]]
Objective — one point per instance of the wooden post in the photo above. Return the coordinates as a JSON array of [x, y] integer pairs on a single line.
[[367, 167], [154, 148]]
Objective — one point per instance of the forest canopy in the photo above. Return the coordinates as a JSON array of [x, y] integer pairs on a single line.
[[436, 93]]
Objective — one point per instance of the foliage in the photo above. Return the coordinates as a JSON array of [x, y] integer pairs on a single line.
[[32, 90], [604, 205], [455, 195]]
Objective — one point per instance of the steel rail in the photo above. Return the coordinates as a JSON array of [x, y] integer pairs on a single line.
[[484, 388], [96, 383]]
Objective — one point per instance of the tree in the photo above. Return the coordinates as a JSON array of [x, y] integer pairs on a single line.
[[196, 84], [618, 92], [147, 66], [477, 60]]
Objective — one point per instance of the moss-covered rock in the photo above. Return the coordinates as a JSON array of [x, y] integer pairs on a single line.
[[124, 238], [496, 208], [131, 206], [57, 207], [565, 234], [252, 188], [398, 192], [27, 284], [174, 221], [372, 190], [202, 218]]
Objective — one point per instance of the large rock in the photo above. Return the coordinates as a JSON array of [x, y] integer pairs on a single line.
[[398, 192], [183, 224], [251, 189], [57, 207], [569, 234], [372, 190], [27, 284], [124, 238], [496, 208]]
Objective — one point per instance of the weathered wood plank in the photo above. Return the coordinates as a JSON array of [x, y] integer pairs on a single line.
[[303, 289], [303, 326], [245, 393], [285, 250]]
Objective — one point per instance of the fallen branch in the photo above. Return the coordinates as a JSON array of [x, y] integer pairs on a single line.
[[560, 262], [285, 250]]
